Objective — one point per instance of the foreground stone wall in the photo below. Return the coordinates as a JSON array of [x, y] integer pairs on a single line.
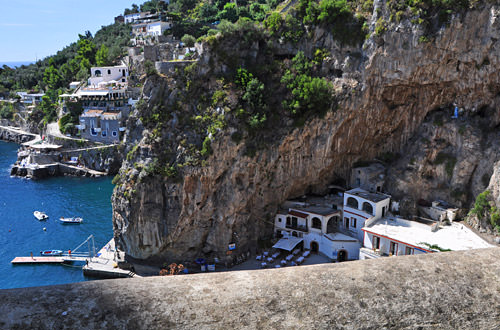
[[453, 290]]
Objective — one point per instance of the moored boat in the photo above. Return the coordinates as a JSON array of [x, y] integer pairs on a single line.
[[71, 220], [40, 215], [51, 253]]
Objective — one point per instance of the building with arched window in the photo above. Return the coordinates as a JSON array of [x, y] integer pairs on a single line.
[[317, 229], [361, 205]]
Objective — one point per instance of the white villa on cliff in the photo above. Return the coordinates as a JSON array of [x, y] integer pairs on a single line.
[[363, 228], [108, 75], [391, 236]]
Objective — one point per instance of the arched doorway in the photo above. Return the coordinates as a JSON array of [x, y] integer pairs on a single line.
[[314, 247], [342, 256]]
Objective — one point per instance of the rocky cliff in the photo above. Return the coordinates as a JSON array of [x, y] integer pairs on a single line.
[[385, 89]]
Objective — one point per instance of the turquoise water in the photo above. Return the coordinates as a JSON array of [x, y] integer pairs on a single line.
[[21, 233]]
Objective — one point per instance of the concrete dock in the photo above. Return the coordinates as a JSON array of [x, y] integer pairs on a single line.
[[105, 264], [47, 259]]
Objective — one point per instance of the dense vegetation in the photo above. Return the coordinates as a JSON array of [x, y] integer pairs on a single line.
[[484, 208]]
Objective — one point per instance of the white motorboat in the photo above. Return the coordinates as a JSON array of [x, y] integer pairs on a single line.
[[71, 220], [40, 215]]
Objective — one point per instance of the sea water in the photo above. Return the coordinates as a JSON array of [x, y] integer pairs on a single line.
[[21, 233]]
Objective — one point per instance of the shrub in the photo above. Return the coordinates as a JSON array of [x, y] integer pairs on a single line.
[[188, 40]]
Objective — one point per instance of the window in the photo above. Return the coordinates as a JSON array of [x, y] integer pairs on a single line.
[[352, 202], [409, 250], [368, 208], [294, 222], [376, 242], [353, 222], [115, 134], [346, 223], [393, 248], [279, 219], [316, 223], [109, 71], [288, 221], [97, 73], [104, 133]]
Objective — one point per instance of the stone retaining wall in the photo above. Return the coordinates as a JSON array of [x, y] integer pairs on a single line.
[[451, 290]]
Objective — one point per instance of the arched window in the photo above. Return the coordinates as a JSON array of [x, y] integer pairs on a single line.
[[316, 223], [97, 73], [332, 225], [352, 202], [367, 207]]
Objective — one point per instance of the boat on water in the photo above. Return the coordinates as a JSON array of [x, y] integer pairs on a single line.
[[40, 215], [71, 220], [51, 253]]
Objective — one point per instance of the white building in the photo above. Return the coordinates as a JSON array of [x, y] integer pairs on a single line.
[[105, 75], [390, 236], [130, 18], [30, 98], [74, 84], [359, 206], [155, 28], [316, 229]]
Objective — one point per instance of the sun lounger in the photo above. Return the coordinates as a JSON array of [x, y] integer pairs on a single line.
[[270, 260], [283, 262], [263, 265], [276, 255], [306, 253], [296, 251], [289, 257], [300, 260], [258, 257]]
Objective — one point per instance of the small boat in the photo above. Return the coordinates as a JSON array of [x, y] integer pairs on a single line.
[[71, 220], [40, 215], [51, 253]]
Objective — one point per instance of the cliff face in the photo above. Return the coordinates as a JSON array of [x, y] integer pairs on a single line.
[[390, 86]]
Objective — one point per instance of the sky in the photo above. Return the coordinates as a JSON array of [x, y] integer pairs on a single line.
[[34, 29]]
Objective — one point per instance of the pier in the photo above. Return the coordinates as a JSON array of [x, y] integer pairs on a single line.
[[105, 264], [47, 260]]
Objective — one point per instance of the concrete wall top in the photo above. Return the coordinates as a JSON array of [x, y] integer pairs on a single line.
[[443, 290]]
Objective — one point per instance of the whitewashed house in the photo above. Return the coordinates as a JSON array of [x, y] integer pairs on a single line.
[[315, 228], [74, 84], [30, 98], [104, 75], [130, 18], [154, 28], [391, 236], [359, 206], [157, 28]]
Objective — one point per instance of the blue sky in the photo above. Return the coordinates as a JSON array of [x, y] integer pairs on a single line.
[[34, 29]]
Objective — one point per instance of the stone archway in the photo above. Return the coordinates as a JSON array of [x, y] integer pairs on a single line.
[[314, 247], [342, 255], [332, 225]]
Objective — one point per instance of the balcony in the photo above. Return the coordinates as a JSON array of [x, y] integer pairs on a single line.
[[372, 253]]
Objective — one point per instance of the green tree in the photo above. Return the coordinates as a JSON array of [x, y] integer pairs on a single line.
[[188, 40], [230, 12], [49, 110], [102, 56], [86, 49]]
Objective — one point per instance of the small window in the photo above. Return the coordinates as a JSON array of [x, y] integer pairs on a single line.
[[353, 222], [109, 71], [288, 221], [376, 242], [346, 223], [104, 133], [279, 219], [123, 80], [409, 251]]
